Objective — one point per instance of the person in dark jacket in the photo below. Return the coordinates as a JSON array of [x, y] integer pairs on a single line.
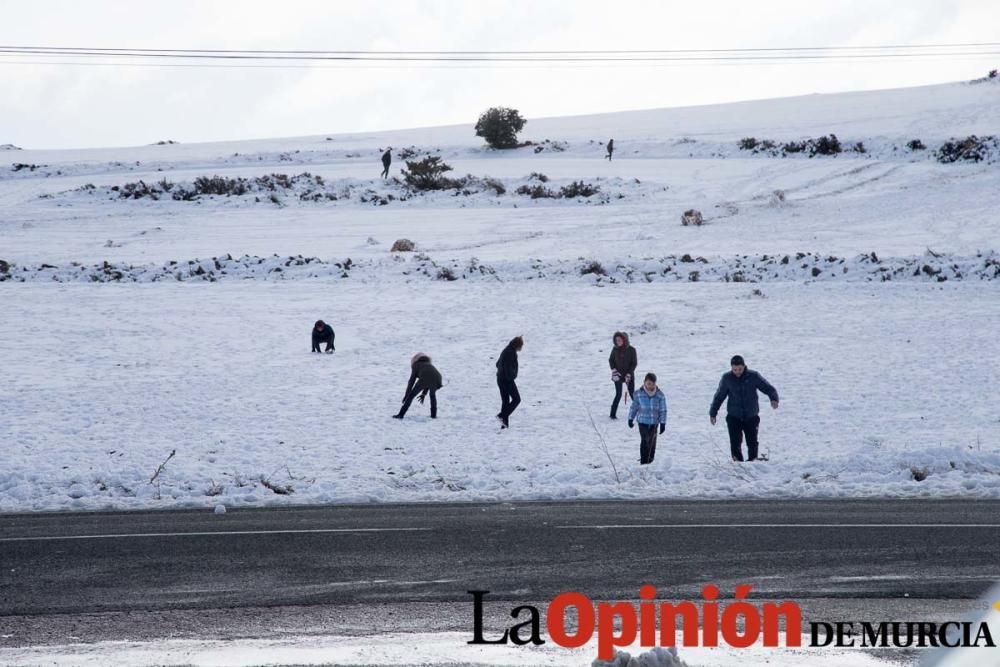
[[611, 148], [386, 161], [623, 361], [650, 408], [740, 385], [323, 333], [424, 379], [506, 375]]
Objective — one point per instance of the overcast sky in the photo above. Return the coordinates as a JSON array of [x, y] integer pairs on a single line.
[[51, 106]]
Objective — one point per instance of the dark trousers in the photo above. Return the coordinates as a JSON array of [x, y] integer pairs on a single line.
[[322, 339], [509, 397], [618, 394], [417, 390], [737, 427], [385, 171], [647, 442]]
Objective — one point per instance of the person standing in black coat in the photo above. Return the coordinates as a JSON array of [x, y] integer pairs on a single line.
[[611, 148], [506, 375], [740, 385], [424, 379], [322, 333], [386, 161], [623, 362]]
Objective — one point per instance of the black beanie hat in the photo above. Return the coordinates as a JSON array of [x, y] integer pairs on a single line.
[[320, 324], [737, 360]]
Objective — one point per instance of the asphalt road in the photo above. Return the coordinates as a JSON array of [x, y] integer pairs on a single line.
[[90, 575]]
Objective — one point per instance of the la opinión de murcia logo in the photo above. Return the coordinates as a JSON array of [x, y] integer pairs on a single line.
[[738, 623]]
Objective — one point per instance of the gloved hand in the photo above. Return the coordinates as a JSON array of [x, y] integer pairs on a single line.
[[663, 427], [421, 398], [615, 376], [631, 424]]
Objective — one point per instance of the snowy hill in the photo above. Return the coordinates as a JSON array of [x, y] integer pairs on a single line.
[[842, 277]]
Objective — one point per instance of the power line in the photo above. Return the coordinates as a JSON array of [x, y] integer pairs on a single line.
[[472, 65], [445, 53], [566, 59], [842, 53]]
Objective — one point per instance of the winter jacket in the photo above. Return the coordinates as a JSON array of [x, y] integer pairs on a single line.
[[507, 364], [649, 409], [386, 158], [623, 359], [742, 394], [324, 335], [424, 371]]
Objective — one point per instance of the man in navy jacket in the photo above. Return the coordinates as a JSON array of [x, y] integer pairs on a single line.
[[740, 385]]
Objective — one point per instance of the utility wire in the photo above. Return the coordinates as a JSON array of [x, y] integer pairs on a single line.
[[265, 52], [459, 65], [285, 59]]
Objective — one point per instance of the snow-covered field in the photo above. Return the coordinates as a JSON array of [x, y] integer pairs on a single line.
[[867, 292]]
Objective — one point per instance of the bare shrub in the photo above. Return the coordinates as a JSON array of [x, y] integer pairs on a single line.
[[537, 192], [578, 189]]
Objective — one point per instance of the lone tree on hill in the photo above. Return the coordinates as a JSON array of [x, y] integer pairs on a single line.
[[499, 126]]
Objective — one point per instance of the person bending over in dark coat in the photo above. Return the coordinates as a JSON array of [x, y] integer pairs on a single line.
[[424, 379], [506, 375], [623, 361], [386, 161], [323, 333], [740, 385]]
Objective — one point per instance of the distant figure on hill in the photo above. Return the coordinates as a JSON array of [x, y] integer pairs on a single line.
[[611, 148], [424, 379], [323, 333], [386, 161]]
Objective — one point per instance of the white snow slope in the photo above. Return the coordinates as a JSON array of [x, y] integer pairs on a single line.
[[867, 292]]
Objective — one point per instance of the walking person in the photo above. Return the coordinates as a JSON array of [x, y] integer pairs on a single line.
[[649, 408], [611, 148], [506, 375], [424, 379], [386, 161], [740, 385], [323, 333], [623, 361]]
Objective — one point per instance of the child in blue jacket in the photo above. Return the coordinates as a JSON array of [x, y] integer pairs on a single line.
[[650, 406]]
